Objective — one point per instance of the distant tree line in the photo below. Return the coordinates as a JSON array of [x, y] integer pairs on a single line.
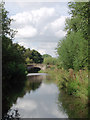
[[49, 60], [32, 56]]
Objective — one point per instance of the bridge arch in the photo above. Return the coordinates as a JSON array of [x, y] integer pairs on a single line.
[[35, 67]]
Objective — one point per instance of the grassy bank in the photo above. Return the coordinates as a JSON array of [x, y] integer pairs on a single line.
[[74, 84]]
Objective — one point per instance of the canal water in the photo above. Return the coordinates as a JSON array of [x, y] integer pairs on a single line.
[[40, 99]]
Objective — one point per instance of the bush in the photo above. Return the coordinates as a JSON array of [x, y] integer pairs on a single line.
[[72, 87], [50, 61], [73, 51]]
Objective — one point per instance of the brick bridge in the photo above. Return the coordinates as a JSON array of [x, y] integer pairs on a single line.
[[40, 66]]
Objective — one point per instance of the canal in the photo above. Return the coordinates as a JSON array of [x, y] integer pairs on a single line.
[[40, 99]]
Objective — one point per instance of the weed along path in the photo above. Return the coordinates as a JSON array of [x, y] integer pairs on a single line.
[[41, 98]]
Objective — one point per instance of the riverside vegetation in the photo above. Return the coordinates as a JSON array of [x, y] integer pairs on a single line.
[[72, 82], [73, 85]]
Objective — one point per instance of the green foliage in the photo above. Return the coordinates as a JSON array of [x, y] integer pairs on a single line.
[[79, 20], [12, 57], [73, 49], [72, 87], [46, 55], [6, 21], [28, 60], [76, 86], [50, 61], [36, 56], [27, 53], [73, 52], [33, 56]]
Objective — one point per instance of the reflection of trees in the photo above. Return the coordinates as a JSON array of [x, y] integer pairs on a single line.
[[33, 83], [33, 86], [74, 107], [49, 79], [11, 92], [14, 116]]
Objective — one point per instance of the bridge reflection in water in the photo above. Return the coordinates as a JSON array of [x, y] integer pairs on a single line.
[[33, 77]]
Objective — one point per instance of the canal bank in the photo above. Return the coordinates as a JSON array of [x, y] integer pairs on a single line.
[[74, 91]]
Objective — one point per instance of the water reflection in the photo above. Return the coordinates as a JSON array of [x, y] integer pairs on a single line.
[[32, 85], [39, 97], [11, 91], [40, 100], [12, 115], [74, 107]]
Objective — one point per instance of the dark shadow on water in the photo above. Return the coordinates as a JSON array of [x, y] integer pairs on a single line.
[[14, 116], [74, 107], [13, 90], [34, 70], [33, 83]]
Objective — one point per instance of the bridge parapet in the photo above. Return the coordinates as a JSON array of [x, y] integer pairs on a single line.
[[41, 66]]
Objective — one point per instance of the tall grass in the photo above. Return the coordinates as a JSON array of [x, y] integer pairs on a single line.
[[72, 82]]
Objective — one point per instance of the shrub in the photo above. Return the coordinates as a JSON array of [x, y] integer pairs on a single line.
[[72, 87]]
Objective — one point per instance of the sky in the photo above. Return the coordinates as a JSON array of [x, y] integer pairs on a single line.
[[40, 25]]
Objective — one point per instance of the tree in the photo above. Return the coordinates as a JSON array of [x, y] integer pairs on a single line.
[[73, 49], [79, 18], [11, 53], [36, 56], [46, 55], [33, 56], [50, 60], [72, 52]]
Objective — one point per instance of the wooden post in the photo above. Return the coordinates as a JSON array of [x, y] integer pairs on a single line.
[[80, 72], [71, 73]]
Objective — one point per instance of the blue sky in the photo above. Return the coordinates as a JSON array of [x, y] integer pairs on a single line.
[[40, 25]]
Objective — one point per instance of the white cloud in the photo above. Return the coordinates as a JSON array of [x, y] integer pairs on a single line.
[[59, 114], [42, 51], [36, 18], [60, 34], [43, 12], [26, 32], [33, 16], [26, 45], [26, 105], [22, 18], [40, 28], [49, 89], [58, 23], [55, 28]]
